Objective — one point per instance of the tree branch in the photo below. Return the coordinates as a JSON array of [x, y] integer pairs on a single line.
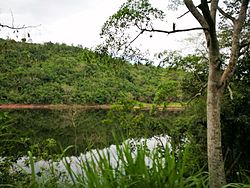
[[173, 31], [235, 49], [12, 16], [183, 14], [197, 94], [142, 31], [226, 15], [161, 31], [213, 9], [189, 4], [164, 31], [207, 15], [13, 27], [189, 11]]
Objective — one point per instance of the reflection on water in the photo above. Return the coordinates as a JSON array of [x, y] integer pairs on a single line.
[[84, 129], [76, 162]]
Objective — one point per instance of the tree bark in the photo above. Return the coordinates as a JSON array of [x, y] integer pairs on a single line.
[[217, 81], [217, 176]]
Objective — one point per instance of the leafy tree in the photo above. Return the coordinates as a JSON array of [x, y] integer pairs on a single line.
[[139, 14], [236, 121]]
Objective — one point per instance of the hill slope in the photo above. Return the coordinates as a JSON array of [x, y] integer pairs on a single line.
[[60, 74]]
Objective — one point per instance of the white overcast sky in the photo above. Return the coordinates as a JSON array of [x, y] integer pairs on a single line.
[[80, 21]]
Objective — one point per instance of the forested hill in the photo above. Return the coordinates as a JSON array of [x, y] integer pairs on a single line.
[[60, 74]]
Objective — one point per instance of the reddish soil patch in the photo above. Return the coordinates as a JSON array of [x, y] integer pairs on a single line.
[[52, 106], [82, 107]]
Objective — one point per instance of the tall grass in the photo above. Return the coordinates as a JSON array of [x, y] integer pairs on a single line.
[[131, 166], [128, 167]]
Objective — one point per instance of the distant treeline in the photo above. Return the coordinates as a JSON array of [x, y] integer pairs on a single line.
[[60, 74]]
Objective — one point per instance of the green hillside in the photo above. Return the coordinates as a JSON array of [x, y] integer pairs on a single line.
[[60, 74]]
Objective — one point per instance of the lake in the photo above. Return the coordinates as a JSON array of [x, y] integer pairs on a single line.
[[50, 131]]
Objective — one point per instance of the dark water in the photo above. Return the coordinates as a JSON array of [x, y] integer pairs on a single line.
[[50, 131]]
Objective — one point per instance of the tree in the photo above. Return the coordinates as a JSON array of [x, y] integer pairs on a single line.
[[139, 14]]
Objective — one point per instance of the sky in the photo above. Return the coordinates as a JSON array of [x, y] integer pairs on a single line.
[[79, 22]]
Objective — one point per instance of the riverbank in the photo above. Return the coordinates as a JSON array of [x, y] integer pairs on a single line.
[[83, 107]]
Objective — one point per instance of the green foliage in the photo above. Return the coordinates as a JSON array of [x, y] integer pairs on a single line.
[[134, 122], [60, 74], [45, 132], [226, 28], [236, 121], [191, 126], [189, 72], [11, 138], [132, 15], [168, 92], [174, 4], [167, 169], [234, 116]]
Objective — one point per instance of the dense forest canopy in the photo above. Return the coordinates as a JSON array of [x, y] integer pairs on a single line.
[[60, 74]]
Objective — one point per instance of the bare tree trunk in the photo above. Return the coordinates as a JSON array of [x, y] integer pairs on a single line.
[[214, 146]]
